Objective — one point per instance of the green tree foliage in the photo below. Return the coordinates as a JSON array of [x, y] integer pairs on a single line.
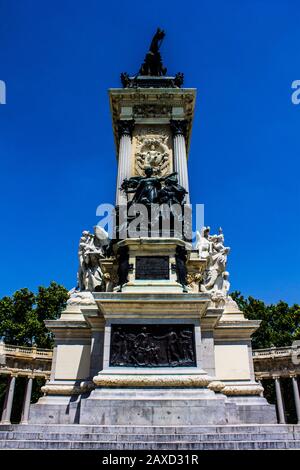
[[280, 323], [22, 315], [22, 323]]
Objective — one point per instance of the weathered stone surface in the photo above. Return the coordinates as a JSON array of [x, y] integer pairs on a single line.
[[150, 437]]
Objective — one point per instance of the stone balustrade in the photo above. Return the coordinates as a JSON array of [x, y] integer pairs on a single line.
[[277, 364], [21, 361]]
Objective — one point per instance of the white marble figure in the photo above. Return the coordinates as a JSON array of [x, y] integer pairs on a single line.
[[226, 283], [211, 248], [203, 243], [90, 251]]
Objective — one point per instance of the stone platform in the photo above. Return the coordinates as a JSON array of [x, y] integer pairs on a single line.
[[172, 407], [84, 437]]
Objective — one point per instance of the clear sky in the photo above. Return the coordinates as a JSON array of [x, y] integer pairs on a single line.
[[59, 57]]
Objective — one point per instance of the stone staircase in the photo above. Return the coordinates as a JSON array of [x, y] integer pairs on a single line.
[[84, 437]]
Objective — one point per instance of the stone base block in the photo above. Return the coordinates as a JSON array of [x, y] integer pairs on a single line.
[[55, 410], [153, 407], [172, 407], [254, 410]]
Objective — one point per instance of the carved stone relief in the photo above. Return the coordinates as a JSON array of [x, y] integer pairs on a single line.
[[153, 346], [152, 148]]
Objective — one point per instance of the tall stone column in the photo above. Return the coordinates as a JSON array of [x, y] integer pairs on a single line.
[[125, 128], [178, 128], [296, 396], [26, 403], [279, 399], [5, 399], [9, 400]]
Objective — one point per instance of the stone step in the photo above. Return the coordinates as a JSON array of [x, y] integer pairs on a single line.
[[204, 429], [84, 445], [123, 438]]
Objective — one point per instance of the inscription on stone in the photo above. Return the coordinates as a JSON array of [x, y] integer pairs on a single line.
[[152, 267], [152, 346]]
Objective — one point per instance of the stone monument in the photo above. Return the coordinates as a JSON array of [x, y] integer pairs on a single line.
[[150, 335]]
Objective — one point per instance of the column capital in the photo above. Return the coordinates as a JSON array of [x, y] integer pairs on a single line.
[[178, 127], [276, 377], [125, 127]]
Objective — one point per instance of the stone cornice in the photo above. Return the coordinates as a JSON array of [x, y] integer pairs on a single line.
[[147, 305], [124, 102], [242, 329]]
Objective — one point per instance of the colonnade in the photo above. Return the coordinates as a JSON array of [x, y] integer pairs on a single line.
[[9, 398], [280, 400]]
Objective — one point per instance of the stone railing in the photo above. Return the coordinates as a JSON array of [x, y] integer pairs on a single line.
[[26, 352], [274, 352]]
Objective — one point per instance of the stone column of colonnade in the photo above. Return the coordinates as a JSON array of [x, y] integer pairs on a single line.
[[125, 128], [9, 398], [26, 403], [279, 400], [8, 401], [296, 396], [179, 128]]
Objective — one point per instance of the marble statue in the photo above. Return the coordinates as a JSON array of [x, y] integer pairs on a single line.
[[91, 249], [212, 249], [203, 243], [226, 283], [217, 267]]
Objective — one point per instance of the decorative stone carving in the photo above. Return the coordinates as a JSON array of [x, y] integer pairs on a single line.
[[152, 152], [125, 80], [91, 249], [203, 243], [193, 280], [247, 389], [125, 127], [212, 249], [148, 110], [159, 380], [81, 298], [110, 276], [64, 389], [216, 386], [178, 80], [139, 81], [178, 127], [231, 306]]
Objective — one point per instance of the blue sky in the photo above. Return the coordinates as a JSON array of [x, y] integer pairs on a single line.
[[57, 152]]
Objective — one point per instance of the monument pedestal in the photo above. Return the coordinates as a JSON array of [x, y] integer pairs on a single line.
[[154, 407]]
